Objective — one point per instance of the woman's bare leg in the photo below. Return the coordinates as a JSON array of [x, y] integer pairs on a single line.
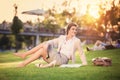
[[98, 42], [40, 53], [33, 50]]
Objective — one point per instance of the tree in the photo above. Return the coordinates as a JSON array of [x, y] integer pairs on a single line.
[[88, 20], [16, 28], [108, 15], [17, 25]]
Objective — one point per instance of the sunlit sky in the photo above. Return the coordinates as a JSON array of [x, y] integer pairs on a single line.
[[7, 9]]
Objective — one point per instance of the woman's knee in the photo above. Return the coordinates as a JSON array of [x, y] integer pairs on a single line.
[[44, 49], [45, 46]]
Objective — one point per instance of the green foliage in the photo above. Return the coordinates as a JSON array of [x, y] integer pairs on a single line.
[[88, 20], [16, 26], [50, 26], [114, 14], [77, 20], [110, 15], [61, 20], [4, 42]]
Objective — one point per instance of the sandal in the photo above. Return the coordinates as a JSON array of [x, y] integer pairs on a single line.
[[38, 65]]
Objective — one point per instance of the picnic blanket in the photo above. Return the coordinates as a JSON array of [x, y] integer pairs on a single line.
[[70, 65]]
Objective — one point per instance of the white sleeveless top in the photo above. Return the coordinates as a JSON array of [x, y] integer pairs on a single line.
[[66, 47]]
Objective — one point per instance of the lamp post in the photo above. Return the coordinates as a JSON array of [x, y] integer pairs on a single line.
[[16, 7]]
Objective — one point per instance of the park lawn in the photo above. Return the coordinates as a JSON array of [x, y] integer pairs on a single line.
[[8, 71]]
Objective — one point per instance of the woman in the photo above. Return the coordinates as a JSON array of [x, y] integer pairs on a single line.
[[99, 45], [66, 47]]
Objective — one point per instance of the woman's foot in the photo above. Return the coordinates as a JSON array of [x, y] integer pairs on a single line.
[[39, 65], [21, 55], [20, 65], [88, 49]]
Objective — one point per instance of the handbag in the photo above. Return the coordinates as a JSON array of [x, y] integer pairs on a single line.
[[102, 61]]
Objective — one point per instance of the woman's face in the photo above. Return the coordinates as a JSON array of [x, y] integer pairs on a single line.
[[72, 31]]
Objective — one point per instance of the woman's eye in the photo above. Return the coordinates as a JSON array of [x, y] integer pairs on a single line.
[[74, 29]]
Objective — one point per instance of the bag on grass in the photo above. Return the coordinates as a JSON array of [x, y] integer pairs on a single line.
[[102, 61]]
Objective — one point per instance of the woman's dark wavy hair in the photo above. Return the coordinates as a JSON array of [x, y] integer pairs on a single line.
[[69, 26]]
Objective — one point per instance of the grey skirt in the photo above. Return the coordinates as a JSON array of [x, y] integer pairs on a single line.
[[54, 55]]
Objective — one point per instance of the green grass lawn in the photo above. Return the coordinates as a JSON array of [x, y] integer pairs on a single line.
[[8, 71]]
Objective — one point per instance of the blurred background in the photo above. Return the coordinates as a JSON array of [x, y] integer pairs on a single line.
[[26, 23]]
